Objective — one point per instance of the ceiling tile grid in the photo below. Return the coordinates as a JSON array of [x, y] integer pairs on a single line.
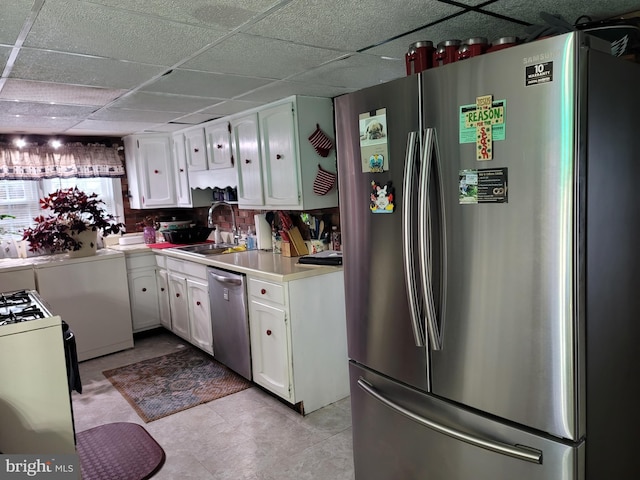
[[116, 67]]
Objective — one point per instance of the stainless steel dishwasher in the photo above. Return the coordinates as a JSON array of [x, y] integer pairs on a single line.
[[229, 320]]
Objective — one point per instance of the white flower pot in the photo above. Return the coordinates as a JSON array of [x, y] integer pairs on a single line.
[[89, 240]]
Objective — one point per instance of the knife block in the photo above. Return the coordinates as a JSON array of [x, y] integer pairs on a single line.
[[288, 251]]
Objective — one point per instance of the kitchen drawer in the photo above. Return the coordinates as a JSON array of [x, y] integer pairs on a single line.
[[140, 260], [191, 269], [161, 261], [261, 290]]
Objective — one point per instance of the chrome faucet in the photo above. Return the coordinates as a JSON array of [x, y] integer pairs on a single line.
[[234, 228]]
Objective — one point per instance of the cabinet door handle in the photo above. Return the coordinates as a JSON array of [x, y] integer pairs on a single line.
[[219, 146], [263, 291], [156, 171], [144, 289], [177, 294], [246, 160], [198, 303], [278, 156], [196, 150], [162, 289], [268, 332], [181, 170]]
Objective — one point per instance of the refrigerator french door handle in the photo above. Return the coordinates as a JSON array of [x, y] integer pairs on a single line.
[[410, 167], [425, 238], [519, 452]]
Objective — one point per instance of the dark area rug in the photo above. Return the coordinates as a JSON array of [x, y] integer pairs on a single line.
[[165, 385], [118, 451]]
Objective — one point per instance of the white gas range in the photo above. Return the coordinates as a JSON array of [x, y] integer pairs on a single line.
[[36, 415]]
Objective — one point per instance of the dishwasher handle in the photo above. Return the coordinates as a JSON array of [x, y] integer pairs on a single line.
[[227, 280]]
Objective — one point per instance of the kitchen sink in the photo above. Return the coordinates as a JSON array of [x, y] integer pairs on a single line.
[[205, 249]]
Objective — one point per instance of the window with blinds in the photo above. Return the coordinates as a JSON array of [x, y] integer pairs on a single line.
[[21, 199]]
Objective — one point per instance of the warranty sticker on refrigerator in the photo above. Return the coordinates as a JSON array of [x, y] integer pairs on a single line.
[[486, 185]]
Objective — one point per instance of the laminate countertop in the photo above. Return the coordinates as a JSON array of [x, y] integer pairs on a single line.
[[257, 263]]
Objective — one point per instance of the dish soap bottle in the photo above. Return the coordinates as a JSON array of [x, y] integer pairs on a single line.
[[251, 239]]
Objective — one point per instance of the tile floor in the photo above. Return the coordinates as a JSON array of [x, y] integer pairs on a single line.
[[245, 436]]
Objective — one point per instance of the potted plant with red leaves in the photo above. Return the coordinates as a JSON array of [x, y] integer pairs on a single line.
[[72, 225]]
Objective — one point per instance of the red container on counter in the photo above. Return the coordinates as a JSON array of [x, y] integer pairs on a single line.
[[447, 52], [503, 42], [472, 47], [419, 57]]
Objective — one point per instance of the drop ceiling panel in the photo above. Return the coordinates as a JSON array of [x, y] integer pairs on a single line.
[[14, 13], [91, 127], [29, 91], [356, 71], [127, 115], [202, 84], [277, 90], [44, 109], [81, 69], [82, 27], [569, 9], [164, 102], [167, 127], [258, 56], [354, 25], [226, 14], [195, 118], [30, 124], [232, 106], [469, 25]]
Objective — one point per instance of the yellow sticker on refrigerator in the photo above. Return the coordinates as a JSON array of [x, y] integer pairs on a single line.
[[374, 149], [492, 116]]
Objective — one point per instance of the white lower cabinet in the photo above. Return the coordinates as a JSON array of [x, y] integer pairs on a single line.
[[91, 295], [298, 339], [189, 303], [143, 291], [162, 282], [20, 278], [199, 315], [270, 350]]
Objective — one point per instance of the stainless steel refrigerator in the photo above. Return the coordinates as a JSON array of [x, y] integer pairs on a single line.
[[491, 249]]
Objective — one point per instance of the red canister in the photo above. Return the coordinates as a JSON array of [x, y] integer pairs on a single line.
[[472, 47], [503, 42], [419, 57], [447, 52]]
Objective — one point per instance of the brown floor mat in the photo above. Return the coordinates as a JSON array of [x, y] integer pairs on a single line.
[[118, 451]]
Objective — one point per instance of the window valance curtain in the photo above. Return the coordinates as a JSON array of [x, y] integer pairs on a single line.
[[33, 162]]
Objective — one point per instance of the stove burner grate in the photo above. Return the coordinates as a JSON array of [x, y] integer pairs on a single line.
[[20, 297], [16, 316]]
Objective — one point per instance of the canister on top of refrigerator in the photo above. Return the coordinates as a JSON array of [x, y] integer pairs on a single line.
[[472, 47], [419, 57], [447, 52]]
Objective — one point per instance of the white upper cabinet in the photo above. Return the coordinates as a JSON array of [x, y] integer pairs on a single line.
[[281, 182], [218, 138], [196, 149], [158, 174], [183, 192], [150, 171], [247, 153], [288, 161]]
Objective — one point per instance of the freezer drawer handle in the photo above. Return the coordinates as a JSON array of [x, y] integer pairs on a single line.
[[408, 183], [523, 453], [221, 279]]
